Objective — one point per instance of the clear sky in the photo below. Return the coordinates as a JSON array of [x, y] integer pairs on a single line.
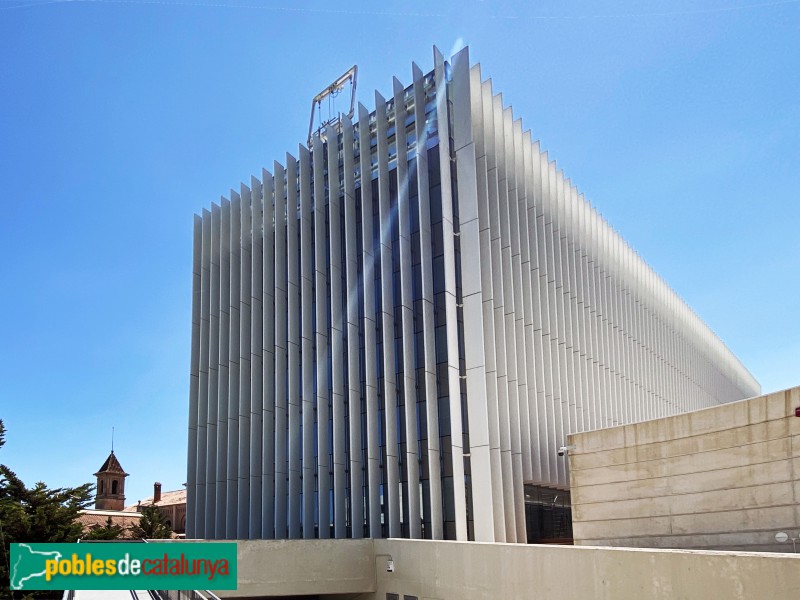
[[119, 119]]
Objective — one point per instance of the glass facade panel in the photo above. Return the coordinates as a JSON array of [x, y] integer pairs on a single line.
[[548, 515]]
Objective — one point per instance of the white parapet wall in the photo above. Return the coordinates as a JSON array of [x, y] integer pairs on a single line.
[[724, 478], [431, 570]]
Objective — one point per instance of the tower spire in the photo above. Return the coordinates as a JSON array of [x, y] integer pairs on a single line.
[[110, 484]]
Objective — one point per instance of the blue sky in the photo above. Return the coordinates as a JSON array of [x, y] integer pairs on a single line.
[[679, 120]]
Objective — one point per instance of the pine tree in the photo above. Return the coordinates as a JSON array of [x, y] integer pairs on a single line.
[[37, 514], [152, 526]]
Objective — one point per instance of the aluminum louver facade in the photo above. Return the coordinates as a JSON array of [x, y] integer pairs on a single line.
[[395, 330]]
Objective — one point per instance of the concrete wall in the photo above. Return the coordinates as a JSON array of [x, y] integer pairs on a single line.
[[720, 478], [476, 571], [303, 567], [435, 570]]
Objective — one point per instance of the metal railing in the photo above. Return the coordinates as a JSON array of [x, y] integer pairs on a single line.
[[184, 595], [155, 594]]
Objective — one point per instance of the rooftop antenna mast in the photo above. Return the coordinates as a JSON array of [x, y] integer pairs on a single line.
[[331, 92]]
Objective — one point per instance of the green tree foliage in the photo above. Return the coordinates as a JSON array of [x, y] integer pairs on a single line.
[[108, 532], [152, 526], [37, 514]]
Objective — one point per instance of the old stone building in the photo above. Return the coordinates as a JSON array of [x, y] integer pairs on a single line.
[[110, 485]]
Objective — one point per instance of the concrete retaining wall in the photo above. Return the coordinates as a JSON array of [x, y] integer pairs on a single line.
[[475, 571], [719, 478], [435, 570]]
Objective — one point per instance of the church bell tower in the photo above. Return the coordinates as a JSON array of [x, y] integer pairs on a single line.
[[110, 485]]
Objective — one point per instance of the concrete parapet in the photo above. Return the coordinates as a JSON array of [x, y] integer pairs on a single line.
[[725, 477], [303, 567], [475, 571], [425, 569]]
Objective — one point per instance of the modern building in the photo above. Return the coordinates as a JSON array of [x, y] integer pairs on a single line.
[[394, 331]]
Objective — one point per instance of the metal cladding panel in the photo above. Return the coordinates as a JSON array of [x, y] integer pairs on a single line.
[[549, 366], [268, 359], [307, 339], [515, 324], [387, 216], [368, 259], [321, 332], [281, 357], [530, 278], [409, 383], [466, 102], [544, 447], [202, 400], [335, 182], [449, 230], [506, 198], [232, 468], [213, 372], [491, 526], [401, 361], [220, 520], [428, 321], [194, 377], [356, 464], [295, 505], [576, 304], [223, 363], [565, 345], [256, 358], [520, 263], [496, 311], [246, 267]]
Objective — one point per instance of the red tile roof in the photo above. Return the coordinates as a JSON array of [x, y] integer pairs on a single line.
[[167, 499], [96, 519]]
